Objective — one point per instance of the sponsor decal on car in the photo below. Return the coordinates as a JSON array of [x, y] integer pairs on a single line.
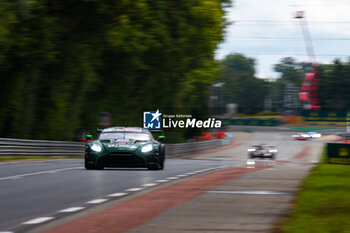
[[122, 145]]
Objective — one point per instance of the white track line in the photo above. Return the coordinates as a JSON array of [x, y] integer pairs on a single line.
[[149, 185], [32, 161], [203, 170], [71, 209], [162, 181], [173, 178], [16, 178], [38, 173], [182, 175], [38, 220], [96, 201], [117, 194], [133, 189], [6, 231]]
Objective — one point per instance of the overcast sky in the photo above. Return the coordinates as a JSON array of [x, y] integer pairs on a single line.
[[267, 31]]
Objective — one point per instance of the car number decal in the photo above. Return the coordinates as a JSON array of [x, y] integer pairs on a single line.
[[122, 145]]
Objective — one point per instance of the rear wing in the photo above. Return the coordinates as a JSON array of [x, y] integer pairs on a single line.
[[159, 131]]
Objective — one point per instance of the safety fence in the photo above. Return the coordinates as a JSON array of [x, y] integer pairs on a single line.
[[26, 147], [194, 147], [251, 121]]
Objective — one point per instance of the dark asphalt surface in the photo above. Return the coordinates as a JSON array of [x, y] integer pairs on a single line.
[[37, 189], [31, 190]]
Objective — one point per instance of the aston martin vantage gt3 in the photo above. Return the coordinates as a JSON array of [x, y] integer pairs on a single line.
[[125, 147]]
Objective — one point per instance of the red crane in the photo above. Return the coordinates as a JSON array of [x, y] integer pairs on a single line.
[[310, 86]]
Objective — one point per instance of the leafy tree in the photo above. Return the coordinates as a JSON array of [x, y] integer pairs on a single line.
[[334, 81], [241, 85], [291, 71], [334, 86], [63, 62]]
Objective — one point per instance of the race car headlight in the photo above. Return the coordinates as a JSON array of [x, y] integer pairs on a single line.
[[146, 148], [96, 147], [251, 150]]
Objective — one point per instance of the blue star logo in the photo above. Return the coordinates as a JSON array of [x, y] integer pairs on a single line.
[[151, 120]]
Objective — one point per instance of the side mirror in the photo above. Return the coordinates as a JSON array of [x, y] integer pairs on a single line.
[[161, 138], [88, 137]]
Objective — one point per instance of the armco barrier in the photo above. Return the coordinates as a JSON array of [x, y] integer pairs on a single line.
[[26, 147], [251, 121], [194, 147]]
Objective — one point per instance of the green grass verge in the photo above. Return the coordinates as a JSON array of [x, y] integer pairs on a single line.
[[9, 158], [323, 204]]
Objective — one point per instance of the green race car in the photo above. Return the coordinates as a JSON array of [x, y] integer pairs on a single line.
[[125, 147]]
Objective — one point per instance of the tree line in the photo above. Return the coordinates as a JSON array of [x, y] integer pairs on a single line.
[[250, 93], [64, 62], [334, 81], [241, 86]]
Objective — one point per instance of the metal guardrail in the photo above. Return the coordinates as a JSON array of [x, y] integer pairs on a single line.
[[26, 147], [194, 147]]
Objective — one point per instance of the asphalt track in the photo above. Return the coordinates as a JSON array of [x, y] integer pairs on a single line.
[[35, 193]]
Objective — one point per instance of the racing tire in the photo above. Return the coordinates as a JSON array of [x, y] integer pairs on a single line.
[[155, 167], [158, 166], [89, 167], [92, 167], [162, 156]]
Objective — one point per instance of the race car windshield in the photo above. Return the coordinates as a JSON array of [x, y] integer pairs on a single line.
[[126, 135]]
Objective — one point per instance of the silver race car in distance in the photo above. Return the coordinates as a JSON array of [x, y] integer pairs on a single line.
[[262, 151]]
